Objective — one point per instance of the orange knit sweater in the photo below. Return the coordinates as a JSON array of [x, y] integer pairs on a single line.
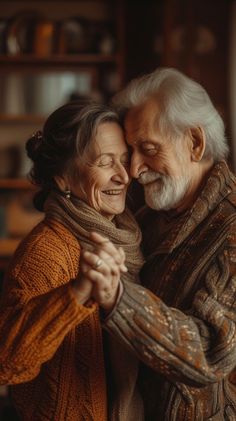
[[51, 346]]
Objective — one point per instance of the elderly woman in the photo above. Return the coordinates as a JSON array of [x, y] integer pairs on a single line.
[[52, 350]]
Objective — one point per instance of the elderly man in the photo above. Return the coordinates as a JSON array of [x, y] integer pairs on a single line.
[[181, 323]]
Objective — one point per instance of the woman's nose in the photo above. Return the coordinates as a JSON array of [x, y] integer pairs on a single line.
[[121, 174]]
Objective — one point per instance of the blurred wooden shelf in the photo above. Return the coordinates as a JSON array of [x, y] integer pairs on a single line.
[[16, 183], [22, 118], [85, 58], [8, 246]]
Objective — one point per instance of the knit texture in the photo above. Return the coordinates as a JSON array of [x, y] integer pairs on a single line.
[[52, 348], [182, 323], [81, 219], [125, 403]]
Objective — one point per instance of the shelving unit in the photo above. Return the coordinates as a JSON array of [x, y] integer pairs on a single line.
[[58, 59], [21, 119], [102, 69]]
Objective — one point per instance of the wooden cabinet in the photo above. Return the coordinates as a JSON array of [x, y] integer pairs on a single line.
[[196, 41], [190, 35]]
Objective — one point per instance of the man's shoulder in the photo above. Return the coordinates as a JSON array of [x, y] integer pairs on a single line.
[[232, 198]]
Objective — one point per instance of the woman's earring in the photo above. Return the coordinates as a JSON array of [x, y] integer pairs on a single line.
[[67, 194]]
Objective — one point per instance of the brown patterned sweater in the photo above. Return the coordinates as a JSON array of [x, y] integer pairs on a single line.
[[184, 330], [50, 345]]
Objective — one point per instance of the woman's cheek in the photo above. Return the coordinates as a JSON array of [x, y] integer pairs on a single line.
[[94, 196]]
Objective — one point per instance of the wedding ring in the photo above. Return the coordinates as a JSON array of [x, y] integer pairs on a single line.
[[98, 263]]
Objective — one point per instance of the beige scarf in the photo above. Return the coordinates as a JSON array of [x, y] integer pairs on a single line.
[[124, 232], [81, 219]]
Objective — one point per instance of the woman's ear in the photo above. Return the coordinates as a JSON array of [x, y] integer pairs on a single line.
[[198, 143], [61, 182]]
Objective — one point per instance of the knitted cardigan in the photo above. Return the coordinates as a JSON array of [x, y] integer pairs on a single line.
[[182, 323], [50, 344]]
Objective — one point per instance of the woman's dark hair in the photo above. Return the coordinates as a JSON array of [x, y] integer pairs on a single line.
[[66, 135]]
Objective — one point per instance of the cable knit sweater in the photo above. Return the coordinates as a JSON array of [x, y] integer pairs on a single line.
[[182, 323], [50, 344]]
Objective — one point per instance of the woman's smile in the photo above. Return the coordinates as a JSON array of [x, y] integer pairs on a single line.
[[113, 192]]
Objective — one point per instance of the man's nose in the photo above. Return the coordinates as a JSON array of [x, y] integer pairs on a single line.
[[136, 165]]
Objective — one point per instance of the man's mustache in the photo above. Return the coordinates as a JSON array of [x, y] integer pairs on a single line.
[[149, 177]]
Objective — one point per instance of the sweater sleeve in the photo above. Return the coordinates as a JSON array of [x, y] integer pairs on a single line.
[[197, 347], [36, 314]]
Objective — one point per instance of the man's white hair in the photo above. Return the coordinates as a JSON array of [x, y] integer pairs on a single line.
[[182, 104]]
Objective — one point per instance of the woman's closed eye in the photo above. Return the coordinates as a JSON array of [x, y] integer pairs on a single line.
[[105, 161], [109, 161]]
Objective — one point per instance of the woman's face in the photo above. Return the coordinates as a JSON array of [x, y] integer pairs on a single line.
[[104, 174]]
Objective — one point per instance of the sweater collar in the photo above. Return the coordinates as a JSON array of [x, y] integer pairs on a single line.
[[219, 184]]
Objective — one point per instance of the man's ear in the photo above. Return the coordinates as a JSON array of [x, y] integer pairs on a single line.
[[62, 182], [198, 143]]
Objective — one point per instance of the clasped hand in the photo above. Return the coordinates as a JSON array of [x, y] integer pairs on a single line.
[[100, 271]]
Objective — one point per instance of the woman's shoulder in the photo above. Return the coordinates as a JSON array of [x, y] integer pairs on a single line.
[[47, 258], [48, 238], [47, 253]]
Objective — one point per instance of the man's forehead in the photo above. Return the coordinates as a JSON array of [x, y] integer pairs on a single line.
[[142, 118], [146, 111]]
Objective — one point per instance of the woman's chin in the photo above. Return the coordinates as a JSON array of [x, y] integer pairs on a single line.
[[111, 212]]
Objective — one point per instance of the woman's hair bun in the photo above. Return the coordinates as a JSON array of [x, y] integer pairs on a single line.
[[33, 145]]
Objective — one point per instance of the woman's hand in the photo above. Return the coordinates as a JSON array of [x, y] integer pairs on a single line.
[[103, 267]]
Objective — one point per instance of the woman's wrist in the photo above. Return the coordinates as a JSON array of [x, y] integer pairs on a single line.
[[82, 296]]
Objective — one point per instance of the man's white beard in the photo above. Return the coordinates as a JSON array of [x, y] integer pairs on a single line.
[[166, 192]]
